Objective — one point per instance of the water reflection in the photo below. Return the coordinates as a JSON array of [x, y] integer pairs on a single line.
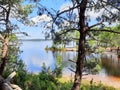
[[111, 63], [34, 55]]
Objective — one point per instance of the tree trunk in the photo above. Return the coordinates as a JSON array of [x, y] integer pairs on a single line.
[[4, 54], [81, 47], [79, 63], [6, 41]]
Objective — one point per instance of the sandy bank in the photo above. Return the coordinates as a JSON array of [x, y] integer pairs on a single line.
[[109, 80], [106, 80]]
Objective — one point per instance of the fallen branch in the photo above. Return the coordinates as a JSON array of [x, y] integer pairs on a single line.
[[10, 77], [6, 85], [15, 87]]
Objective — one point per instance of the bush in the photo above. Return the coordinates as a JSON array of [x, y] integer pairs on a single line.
[[43, 81]]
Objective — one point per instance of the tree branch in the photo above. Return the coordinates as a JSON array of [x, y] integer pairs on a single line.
[[95, 38], [111, 5], [68, 30], [75, 38], [72, 8], [68, 10], [8, 79], [71, 61], [3, 8], [2, 19], [104, 30]]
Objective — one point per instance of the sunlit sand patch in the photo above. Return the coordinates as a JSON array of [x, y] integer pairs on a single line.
[[97, 79]]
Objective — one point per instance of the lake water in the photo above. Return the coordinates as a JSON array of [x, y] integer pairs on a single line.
[[34, 55]]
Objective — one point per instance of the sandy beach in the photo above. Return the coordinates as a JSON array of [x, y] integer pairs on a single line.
[[105, 80], [109, 80]]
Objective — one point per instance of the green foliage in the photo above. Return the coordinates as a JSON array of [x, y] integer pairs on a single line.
[[34, 83], [107, 39], [45, 80], [42, 81], [46, 69], [4, 2], [93, 65], [59, 66], [98, 41], [18, 11], [62, 39], [25, 10], [91, 45], [96, 87], [66, 86], [13, 37]]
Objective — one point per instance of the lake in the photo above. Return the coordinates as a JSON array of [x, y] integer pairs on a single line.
[[34, 55]]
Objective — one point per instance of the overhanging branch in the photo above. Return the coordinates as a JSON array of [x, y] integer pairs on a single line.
[[4, 8], [111, 5], [72, 8], [104, 30], [68, 30], [95, 38]]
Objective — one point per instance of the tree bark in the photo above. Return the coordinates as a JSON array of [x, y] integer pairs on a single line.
[[6, 41], [81, 48], [4, 55]]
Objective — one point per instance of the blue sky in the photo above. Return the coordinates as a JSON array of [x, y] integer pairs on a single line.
[[36, 31]]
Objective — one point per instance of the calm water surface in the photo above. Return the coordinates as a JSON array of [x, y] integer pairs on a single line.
[[34, 55]]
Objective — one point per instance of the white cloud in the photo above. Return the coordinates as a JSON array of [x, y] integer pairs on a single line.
[[48, 25], [65, 6], [45, 18], [36, 61], [65, 23], [40, 19], [92, 14]]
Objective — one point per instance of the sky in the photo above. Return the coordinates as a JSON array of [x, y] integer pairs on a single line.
[[35, 32]]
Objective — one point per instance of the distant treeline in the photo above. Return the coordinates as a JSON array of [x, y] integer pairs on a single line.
[[34, 39]]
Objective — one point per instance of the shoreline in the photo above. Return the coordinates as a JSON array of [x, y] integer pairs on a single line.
[[61, 49], [105, 80], [97, 79]]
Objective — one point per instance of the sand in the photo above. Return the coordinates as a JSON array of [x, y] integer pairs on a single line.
[[105, 80]]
